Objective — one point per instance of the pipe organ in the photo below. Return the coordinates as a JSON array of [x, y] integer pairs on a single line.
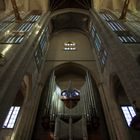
[[60, 117]]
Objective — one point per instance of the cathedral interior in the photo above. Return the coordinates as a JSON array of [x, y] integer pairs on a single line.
[[69, 69]]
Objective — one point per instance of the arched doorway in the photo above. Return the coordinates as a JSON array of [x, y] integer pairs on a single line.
[[56, 119], [125, 108], [13, 120]]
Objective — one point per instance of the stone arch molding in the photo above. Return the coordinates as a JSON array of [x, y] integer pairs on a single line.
[[26, 85], [63, 66], [82, 69]]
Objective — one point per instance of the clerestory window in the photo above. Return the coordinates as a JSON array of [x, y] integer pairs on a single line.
[[129, 113], [11, 117]]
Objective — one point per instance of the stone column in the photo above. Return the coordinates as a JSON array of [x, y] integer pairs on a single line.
[[97, 4], [117, 130], [116, 5], [26, 119], [84, 129], [26, 5], [132, 5], [8, 5], [70, 128], [57, 127]]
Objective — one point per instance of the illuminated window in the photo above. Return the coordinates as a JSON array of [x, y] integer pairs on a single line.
[[115, 26], [33, 18], [93, 32], [69, 44], [11, 117], [97, 42], [102, 54], [38, 57], [24, 27], [69, 49], [4, 25], [10, 18], [123, 34], [127, 39], [13, 39], [43, 39], [129, 113], [41, 49], [96, 39], [103, 57], [106, 17]]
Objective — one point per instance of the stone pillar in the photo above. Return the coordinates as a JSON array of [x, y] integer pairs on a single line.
[[117, 130], [84, 129], [132, 5], [49, 95], [26, 5], [56, 131], [116, 5], [25, 123], [53, 103], [8, 5], [70, 128]]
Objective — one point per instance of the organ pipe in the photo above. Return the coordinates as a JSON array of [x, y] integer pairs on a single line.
[[92, 92]]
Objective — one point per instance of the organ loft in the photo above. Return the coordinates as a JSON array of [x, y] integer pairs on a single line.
[[69, 70]]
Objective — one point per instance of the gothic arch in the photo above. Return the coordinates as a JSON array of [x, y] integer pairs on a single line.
[[78, 68]]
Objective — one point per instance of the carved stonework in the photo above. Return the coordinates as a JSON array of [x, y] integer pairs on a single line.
[[125, 9], [16, 12]]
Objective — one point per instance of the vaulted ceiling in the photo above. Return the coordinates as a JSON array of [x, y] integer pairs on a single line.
[[44, 5], [70, 21]]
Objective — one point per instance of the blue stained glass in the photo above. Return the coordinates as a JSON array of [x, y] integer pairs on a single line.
[[72, 93]]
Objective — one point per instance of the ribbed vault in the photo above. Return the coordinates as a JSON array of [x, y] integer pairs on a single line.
[[85, 4]]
